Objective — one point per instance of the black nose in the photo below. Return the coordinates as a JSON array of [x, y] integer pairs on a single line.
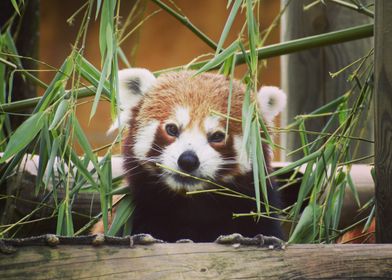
[[188, 161]]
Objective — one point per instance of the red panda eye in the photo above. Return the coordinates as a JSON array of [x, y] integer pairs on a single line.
[[172, 130], [216, 137]]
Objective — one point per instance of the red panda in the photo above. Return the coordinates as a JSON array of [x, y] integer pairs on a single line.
[[171, 122], [358, 236]]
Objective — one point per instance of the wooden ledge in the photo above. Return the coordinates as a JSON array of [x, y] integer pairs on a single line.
[[199, 261]]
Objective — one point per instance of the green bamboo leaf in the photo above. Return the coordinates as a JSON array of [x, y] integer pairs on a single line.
[[105, 20], [220, 58], [52, 158], [82, 169], [114, 89], [56, 86], [295, 164], [252, 35], [120, 190], [11, 47], [91, 74], [60, 114], [105, 189], [304, 190], [82, 140], [353, 189], [338, 200], [44, 148], [229, 23], [60, 219], [124, 212], [259, 171], [104, 74], [266, 133], [247, 116], [23, 135], [99, 2], [15, 4], [304, 138], [229, 98], [262, 173], [69, 221], [369, 219], [255, 166], [123, 57], [304, 231], [64, 220]]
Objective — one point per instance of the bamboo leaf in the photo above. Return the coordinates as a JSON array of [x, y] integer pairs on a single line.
[[99, 2], [295, 164], [91, 74], [102, 80], [15, 4], [23, 135], [82, 140], [124, 212], [105, 189], [60, 114], [353, 189], [220, 58], [11, 47], [304, 231], [229, 23], [52, 158], [82, 168], [60, 219], [255, 166], [44, 141], [58, 83]]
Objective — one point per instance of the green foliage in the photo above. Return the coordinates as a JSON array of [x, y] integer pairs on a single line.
[[52, 130]]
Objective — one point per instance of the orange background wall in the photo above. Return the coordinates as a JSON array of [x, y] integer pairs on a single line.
[[162, 42]]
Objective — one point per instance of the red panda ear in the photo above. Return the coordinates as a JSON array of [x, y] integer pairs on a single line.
[[271, 101], [133, 84]]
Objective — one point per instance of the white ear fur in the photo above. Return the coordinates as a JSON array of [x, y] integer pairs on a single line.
[[272, 101], [133, 84]]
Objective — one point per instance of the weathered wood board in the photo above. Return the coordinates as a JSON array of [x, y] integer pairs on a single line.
[[383, 120], [199, 261], [305, 74]]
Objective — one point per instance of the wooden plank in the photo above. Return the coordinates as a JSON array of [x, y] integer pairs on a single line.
[[305, 74], [199, 261], [383, 120]]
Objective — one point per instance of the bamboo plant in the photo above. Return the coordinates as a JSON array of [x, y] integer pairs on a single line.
[[52, 129]]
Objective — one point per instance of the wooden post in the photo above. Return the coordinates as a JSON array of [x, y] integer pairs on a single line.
[[383, 120], [305, 74]]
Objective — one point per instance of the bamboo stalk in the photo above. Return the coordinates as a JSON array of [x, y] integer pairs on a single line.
[[185, 21]]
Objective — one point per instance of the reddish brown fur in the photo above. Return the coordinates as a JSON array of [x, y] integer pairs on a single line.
[[201, 94]]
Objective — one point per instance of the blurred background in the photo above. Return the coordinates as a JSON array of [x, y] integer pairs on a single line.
[[159, 43]]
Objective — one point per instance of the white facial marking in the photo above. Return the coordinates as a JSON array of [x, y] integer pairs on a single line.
[[177, 186], [144, 139], [211, 123], [196, 141], [242, 156], [182, 116]]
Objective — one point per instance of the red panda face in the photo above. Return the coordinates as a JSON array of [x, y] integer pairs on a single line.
[[178, 127], [200, 149]]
